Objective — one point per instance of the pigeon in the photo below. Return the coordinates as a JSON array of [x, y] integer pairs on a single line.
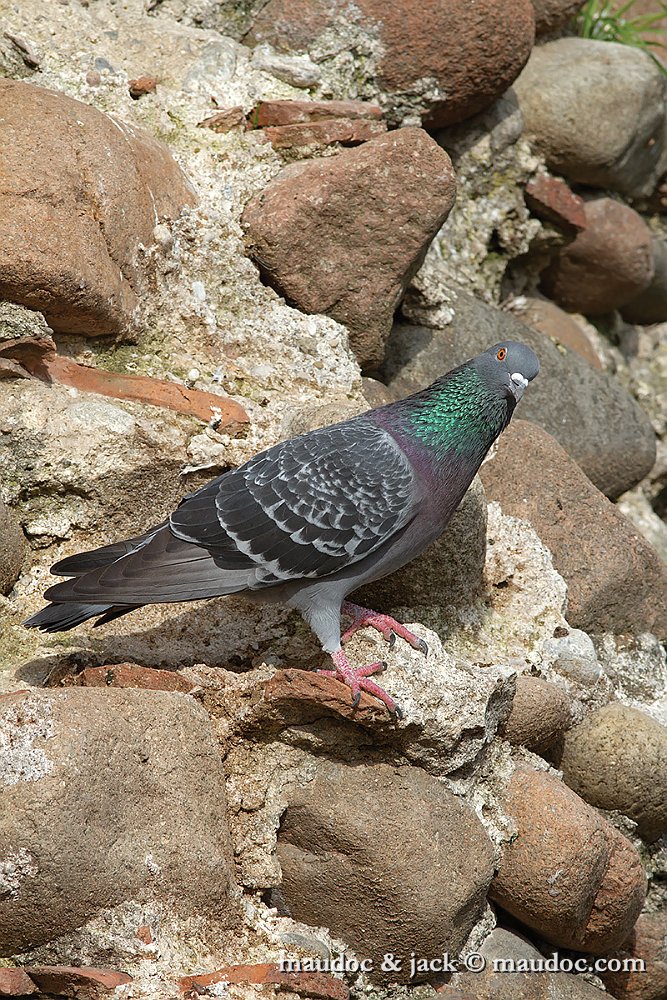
[[309, 520]]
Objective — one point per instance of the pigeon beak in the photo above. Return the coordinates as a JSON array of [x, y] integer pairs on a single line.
[[518, 385]]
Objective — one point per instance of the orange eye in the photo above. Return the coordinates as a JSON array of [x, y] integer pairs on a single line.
[[502, 354]]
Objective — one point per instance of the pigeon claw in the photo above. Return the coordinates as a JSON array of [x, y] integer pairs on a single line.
[[358, 680], [387, 626]]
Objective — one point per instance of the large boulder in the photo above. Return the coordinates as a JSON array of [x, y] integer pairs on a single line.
[[388, 858], [596, 111], [443, 60], [608, 265], [80, 192], [597, 422], [617, 759], [108, 795], [344, 235], [615, 580], [568, 873]]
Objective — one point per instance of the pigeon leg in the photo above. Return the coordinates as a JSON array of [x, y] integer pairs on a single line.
[[357, 679], [389, 627]]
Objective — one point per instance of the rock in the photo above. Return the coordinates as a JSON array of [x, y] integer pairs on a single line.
[[650, 306], [80, 193], [565, 874], [376, 393], [141, 86], [555, 323], [573, 655], [442, 62], [15, 982], [550, 199], [596, 111], [13, 550], [327, 246], [647, 943], [507, 974], [617, 759], [80, 982], [608, 265], [107, 764], [360, 845], [345, 131], [597, 422], [541, 712], [130, 675], [298, 71], [304, 112], [616, 582], [637, 508], [224, 121], [553, 14], [449, 572]]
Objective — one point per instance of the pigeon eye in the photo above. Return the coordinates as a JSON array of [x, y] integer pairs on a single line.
[[502, 354]]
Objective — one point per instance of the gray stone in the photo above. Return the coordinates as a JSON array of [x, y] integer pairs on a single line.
[[617, 759], [650, 306], [505, 952], [449, 572], [595, 420], [108, 795], [387, 858], [12, 549], [596, 111]]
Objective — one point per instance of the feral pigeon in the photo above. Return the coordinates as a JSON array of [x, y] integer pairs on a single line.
[[311, 519]]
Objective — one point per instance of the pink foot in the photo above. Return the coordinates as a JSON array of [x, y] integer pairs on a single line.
[[357, 680], [383, 623]]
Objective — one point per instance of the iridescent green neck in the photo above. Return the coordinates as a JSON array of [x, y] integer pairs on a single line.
[[457, 414]]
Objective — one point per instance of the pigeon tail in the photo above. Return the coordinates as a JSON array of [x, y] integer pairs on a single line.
[[63, 617]]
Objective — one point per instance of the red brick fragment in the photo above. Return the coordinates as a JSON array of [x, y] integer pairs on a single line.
[[292, 695], [299, 112], [316, 985], [130, 675], [223, 121], [83, 983], [16, 982], [347, 131], [142, 85], [551, 199], [145, 934], [39, 358]]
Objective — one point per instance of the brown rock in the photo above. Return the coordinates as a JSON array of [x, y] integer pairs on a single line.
[[607, 265], [141, 781], [79, 193], [346, 131], [377, 393], [387, 858], [470, 53], [224, 121], [296, 697], [617, 759], [12, 549], [648, 944], [619, 900], [141, 86], [16, 982], [448, 572], [541, 712], [566, 874], [302, 112], [130, 675], [650, 306], [616, 582], [80, 982], [344, 235], [553, 14], [551, 199], [550, 319]]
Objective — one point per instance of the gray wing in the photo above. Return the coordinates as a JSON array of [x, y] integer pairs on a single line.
[[306, 507]]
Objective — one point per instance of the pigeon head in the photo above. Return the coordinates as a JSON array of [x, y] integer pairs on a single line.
[[507, 366]]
